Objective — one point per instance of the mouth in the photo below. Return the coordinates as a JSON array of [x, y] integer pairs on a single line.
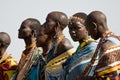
[[19, 34], [37, 43], [73, 35]]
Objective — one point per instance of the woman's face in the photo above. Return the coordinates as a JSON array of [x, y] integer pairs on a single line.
[[49, 25], [25, 31], [77, 31], [41, 37], [92, 29]]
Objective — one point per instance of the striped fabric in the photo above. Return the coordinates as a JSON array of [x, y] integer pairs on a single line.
[[109, 62]]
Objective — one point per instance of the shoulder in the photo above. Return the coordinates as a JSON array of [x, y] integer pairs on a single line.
[[66, 43], [65, 46], [92, 45], [109, 42]]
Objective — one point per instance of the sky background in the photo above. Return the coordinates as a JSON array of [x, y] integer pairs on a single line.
[[13, 12]]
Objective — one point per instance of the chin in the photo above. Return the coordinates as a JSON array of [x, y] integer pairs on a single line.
[[75, 40], [38, 45], [95, 37], [19, 37]]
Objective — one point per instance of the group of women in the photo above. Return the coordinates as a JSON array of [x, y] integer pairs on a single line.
[[49, 55]]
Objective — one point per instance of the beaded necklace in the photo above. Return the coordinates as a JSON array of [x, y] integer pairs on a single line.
[[84, 43]]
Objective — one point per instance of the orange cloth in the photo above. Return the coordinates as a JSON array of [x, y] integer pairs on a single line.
[[24, 61]]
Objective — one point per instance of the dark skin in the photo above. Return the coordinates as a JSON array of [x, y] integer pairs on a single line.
[[97, 25], [4, 42], [78, 32], [26, 33], [54, 26], [43, 40]]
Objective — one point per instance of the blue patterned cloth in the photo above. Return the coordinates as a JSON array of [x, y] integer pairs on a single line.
[[76, 64]]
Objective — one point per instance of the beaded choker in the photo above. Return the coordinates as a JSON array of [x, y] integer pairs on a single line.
[[76, 19], [107, 33], [86, 41]]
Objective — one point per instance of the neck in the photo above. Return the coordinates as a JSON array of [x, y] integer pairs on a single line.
[[60, 36], [2, 53], [57, 35], [48, 46], [85, 41], [82, 40], [105, 33], [29, 41], [104, 30]]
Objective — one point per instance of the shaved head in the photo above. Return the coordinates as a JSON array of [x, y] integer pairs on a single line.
[[97, 17], [96, 24], [59, 17], [5, 38], [4, 42]]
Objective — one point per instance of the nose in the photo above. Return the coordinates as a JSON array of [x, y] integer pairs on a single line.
[[43, 25], [37, 35], [37, 39], [18, 30], [73, 32]]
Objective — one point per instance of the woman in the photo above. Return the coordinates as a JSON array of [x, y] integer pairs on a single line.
[[61, 49], [8, 64], [74, 67], [27, 32]]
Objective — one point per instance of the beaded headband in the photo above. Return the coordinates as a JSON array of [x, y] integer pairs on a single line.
[[76, 20]]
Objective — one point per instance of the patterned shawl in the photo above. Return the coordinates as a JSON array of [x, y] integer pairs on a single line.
[[76, 64], [24, 61]]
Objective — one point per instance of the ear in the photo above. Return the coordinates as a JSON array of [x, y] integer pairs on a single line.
[[34, 33], [94, 25], [57, 27]]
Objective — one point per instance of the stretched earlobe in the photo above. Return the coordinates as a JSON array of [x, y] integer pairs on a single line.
[[94, 25], [57, 28], [34, 33]]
